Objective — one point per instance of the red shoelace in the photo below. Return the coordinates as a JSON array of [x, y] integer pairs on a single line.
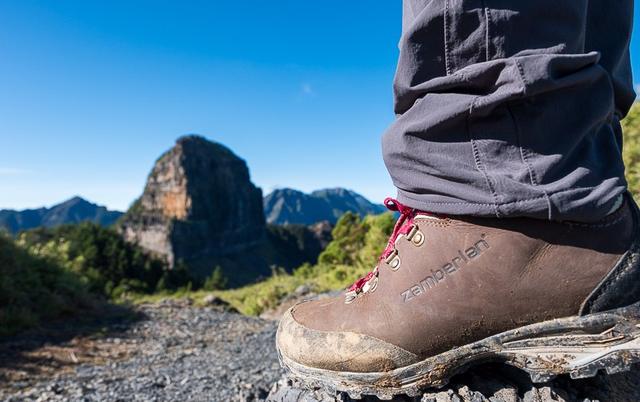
[[402, 226]]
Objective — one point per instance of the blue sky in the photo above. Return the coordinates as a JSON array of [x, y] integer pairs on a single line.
[[93, 92]]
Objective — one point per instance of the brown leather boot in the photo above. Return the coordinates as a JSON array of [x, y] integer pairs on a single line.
[[547, 297]]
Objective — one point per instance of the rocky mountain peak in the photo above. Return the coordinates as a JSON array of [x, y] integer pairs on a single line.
[[198, 202]]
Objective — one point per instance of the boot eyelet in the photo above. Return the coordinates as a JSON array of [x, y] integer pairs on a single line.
[[349, 297], [393, 260], [375, 285], [370, 286], [415, 236], [417, 239]]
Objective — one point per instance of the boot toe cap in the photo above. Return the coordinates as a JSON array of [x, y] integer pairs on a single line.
[[336, 350]]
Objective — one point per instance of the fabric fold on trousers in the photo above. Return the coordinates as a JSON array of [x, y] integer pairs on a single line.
[[533, 134]]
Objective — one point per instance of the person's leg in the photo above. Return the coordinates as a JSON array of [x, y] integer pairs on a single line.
[[511, 108], [508, 130]]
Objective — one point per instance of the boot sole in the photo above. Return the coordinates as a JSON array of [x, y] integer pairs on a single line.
[[579, 346]]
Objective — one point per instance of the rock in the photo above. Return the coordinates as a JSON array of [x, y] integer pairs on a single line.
[[198, 203], [215, 301], [302, 290], [200, 208]]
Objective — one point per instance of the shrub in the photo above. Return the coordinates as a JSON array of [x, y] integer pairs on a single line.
[[35, 288]]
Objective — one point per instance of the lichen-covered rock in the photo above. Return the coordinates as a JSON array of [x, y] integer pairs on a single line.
[[198, 203]]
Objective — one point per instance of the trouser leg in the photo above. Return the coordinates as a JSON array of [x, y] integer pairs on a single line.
[[511, 108]]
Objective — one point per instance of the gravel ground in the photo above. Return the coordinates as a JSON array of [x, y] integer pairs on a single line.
[[178, 352]]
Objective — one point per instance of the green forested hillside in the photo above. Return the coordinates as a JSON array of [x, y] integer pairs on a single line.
[[105, 263]]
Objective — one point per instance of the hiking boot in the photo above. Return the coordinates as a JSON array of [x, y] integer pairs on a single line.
[[547, 297]]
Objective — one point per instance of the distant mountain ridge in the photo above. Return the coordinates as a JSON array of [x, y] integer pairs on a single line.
[[289, 206], [74, 210]]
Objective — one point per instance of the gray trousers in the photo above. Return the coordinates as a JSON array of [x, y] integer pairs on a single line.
[[511, 107]]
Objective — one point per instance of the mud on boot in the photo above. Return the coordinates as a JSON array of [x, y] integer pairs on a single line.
[[547, 297]]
